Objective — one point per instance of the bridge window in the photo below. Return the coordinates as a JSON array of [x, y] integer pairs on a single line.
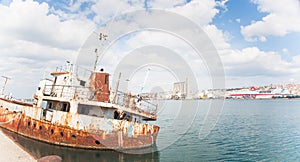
[[55, 105], [98, 111]]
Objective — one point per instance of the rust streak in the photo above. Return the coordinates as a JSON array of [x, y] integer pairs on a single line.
[[66, 136]]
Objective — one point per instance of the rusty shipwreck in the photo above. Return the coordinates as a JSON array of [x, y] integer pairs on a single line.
[[71, 112]]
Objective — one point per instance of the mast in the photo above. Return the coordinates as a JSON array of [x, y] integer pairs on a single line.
[[96, 61], [145, 80], [3, 87], [117, 87]]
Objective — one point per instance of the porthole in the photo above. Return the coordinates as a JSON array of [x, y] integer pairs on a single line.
[[97, 142], [73, 137]]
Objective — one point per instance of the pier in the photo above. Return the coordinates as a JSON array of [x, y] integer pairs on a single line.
[[10, 151]]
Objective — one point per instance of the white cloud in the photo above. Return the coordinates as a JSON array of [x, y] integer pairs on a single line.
[[222, 4], [285, 51], [296, 60], [33, 40], [107, 10], [243, 67], [201, 12], [31, 21], [246, 63], [165, 3], [35, 37], [251, 64], [219, 38], [283, 18]]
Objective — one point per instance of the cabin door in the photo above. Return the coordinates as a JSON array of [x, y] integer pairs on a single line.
[[47, 112]]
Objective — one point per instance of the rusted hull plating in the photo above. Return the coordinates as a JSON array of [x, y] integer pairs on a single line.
[[125, 137]]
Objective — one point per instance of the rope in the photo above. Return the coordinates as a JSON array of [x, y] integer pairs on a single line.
[[7, 114], [20, 112]]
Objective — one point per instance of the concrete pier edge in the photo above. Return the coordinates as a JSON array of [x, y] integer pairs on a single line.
[[11, 151]]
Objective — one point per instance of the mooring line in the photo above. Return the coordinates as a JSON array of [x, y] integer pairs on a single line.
[[20, 112]]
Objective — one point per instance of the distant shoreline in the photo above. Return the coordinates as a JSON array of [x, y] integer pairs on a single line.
[[233, 99]]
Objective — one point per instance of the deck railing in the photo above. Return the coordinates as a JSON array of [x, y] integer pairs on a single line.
[[135, 102], [84, 93]]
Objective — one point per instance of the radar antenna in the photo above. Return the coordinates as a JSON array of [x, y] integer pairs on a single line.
[[101, 37]]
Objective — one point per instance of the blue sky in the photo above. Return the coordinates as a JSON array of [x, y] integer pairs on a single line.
[[227, 19], [245, 11], [257, 40]]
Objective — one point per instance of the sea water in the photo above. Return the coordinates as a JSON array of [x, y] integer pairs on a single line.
[[246, 130]]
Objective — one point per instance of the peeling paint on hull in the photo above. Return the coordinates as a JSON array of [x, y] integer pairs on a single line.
[[100, 133]]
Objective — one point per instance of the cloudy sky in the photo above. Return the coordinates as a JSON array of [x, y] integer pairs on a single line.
[[255, 39]]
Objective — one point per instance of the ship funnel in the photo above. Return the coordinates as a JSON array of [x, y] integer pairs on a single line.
[[99, 84]]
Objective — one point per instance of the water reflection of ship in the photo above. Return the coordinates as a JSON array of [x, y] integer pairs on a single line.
[[40, 149]]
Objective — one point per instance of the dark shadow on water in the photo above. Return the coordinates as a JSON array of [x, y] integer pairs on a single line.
[[40, 149]]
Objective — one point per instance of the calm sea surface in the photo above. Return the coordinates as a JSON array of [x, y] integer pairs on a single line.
[[247, 130]]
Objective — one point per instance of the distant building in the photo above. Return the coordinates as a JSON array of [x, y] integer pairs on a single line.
[[179, 90]]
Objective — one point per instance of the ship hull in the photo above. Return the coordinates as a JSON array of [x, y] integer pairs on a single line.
[[24, 119]]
